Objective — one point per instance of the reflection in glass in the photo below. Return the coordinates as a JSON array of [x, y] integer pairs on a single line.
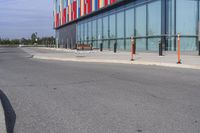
[[186, 22], [99, 32], [105, 27], [120, 30], [153, 44], [94, 30], [128, 44], [89, 30], [141, 21], [154, 18], [99, 27], [120, 44], [129, 14], [112, 31], [112, 26], [141, 27], [85, 32], [188, 44], [120, 25], [186, 17], [140, 44], [82, 32]]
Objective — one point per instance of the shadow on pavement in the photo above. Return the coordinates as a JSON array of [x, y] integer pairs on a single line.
[[10, 115]]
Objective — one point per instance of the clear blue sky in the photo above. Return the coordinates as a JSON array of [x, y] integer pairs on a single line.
[[20, 18]]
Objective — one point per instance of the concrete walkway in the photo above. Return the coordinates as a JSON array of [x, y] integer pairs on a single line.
[[189, 60], [2, 119]]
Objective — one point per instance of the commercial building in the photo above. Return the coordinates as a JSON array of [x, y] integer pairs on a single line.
[[113, 22]]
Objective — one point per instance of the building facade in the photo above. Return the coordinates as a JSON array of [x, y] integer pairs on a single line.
[[153, 23]]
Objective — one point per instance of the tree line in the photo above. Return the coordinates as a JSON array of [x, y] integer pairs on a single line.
[[33, 40]]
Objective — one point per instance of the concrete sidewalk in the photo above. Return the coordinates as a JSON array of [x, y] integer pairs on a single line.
[[2, 119], [189, 60]]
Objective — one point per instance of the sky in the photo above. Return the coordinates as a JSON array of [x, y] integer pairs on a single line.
[[21, 18]]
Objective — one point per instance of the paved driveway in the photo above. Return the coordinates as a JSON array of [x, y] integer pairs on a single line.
[[69, 97]]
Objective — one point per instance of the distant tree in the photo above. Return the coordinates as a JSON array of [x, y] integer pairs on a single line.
[[34, 37]]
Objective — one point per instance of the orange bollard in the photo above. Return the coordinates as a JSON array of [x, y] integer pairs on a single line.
[[179, 49], [132, 48]]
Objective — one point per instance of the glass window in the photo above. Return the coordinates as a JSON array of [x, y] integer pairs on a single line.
[[120, 25], [99, 32], [153, 44], [82, 32], [154, 24], [85, 31], [120, 30], [112, 31], [170, 24], [170, 17], [90, 30], [188, 44], [129, 14], [79, 33], [120, 44], [112, 26], [128, 45], [105, 27], [186, 13], [99, 21], [141, 21], [154, 18], [94, 27], [141, 27]]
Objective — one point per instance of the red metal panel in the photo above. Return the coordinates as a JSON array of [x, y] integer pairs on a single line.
[[99, 3], [57, 19], [105, 2], [89, 6], [85, 6], [71, 10], [74, 10], [112, 1], [64, 15]]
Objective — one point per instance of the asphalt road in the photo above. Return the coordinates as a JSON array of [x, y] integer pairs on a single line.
[[68, 97]]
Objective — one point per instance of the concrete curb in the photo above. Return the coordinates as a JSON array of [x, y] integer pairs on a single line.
[[2, 119], [119, 62]]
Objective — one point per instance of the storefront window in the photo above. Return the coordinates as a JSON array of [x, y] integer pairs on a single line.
[[99, 32], [94, 30], [120, 30], [105, 27], [154, 18], [89, 30], [154, 24], [170, 24], [112, 31], [120, 25], [186, 18], [141, 27], [112, 26], [129, 14], [129, 26], [186, 15], [85, 32], [99, 28], [82, 32]]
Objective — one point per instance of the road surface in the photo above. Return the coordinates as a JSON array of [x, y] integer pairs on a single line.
[[68, 97]]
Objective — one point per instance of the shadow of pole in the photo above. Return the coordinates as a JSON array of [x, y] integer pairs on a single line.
[[10, 116]]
